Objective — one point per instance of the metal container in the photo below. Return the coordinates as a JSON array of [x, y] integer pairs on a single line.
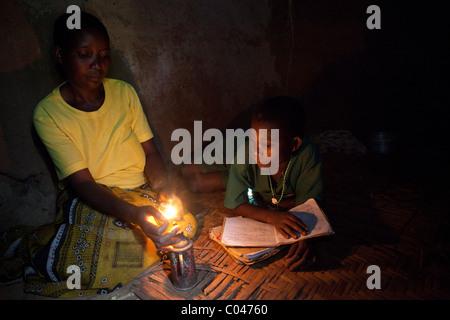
[[182, 263]]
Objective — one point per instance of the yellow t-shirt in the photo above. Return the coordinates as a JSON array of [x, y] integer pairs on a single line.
[[106, 141]]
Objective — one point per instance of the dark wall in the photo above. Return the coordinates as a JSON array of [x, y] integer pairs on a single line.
[[211, 60]]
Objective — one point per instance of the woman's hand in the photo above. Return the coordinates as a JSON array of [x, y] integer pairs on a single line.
[[162, 233], [300, 255], [287, 224]]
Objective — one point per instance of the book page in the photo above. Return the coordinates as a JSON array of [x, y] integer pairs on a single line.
[[314, 218], [239, 231], [244, 232]]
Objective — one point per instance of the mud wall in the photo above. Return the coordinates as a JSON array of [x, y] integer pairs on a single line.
[[210, 61]]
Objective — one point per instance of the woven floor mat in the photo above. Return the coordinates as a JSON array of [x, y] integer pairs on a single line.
[[382, 218], [220, 277]]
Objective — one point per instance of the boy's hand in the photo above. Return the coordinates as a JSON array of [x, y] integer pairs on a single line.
[[288, 225], [300, 255]]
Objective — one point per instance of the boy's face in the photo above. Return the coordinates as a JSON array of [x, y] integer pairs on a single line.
[[276, 148], [88, 60]]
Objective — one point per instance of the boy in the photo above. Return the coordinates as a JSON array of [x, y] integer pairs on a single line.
[[299, 176]]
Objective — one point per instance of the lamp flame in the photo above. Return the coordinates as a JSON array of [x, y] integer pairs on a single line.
[[152, 220], [170, 212]]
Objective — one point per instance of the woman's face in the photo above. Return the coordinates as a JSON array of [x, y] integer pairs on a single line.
[[88, 60]]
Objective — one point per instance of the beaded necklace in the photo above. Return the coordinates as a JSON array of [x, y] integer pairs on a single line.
[[274, 200]]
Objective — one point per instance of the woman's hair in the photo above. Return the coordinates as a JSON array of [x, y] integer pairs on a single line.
[[65, 37], [286, 112]]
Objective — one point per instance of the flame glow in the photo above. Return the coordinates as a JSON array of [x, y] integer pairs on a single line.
[[152, 220], [170, 212]]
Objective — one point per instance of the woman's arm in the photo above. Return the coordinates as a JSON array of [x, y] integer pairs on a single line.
[[105, 201], [157, 174], [154, 166], [99, 197]]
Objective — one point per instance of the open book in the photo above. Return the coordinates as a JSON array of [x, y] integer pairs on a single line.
[[243, 255], [244, 232]]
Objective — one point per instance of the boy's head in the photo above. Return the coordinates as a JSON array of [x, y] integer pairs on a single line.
[[288, 116], [285, 113], [92, 38]]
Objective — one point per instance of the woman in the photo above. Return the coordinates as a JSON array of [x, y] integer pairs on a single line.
[[105, 157]]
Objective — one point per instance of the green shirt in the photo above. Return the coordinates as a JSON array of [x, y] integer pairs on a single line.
[[304, 179]]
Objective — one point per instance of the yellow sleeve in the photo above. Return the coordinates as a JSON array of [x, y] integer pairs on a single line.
[[139, 124], [66, 157]]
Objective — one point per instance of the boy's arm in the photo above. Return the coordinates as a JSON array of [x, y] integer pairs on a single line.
[[236, 199], [300, 253], [286, 223]]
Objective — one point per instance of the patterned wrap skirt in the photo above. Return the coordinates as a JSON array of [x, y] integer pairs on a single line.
[[105, 252]]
